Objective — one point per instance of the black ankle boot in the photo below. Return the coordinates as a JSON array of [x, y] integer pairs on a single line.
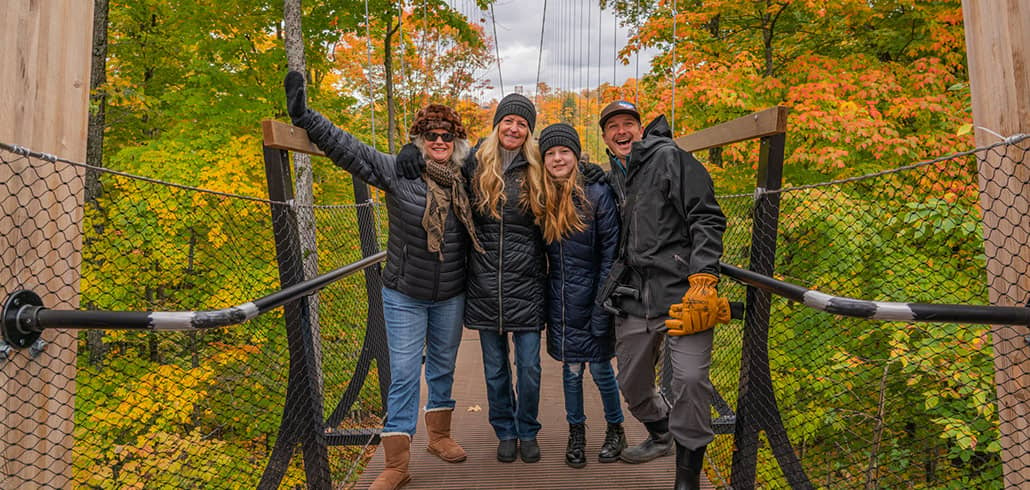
[[658, 443], [614, 443], [688, 467], [575, 452]]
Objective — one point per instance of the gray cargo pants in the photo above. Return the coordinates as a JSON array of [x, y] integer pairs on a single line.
[[637, 347]]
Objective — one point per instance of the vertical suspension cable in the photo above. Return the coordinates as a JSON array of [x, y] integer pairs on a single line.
[[371, 94], [539, 57], [672, 110], [497, 49]]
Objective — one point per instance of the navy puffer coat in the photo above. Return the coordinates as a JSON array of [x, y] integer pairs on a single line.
[[578, 330]]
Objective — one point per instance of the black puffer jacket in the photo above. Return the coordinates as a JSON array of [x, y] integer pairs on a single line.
[[410, 267], [507, 284], [671, 224], [577, 329]]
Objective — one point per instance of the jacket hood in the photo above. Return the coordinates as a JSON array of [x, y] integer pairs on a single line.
[[657, 135]]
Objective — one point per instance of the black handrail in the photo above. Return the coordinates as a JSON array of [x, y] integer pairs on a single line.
[[24, 317], [882, 310]]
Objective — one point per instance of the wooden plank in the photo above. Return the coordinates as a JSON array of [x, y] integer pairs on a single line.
[[44, 97], [759, 124], [998, 50], [470, 426], [286, 137]]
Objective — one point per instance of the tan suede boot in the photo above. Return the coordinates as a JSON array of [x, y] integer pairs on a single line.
[[438, 423], [398, 451]]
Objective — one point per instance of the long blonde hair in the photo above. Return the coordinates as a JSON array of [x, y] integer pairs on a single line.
[[562, 216], [488, 182]]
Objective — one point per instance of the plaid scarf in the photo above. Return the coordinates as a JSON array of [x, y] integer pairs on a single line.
[[445, 188]]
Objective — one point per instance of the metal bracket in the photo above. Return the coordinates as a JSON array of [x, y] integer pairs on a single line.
[[37, 348], [16, 323]]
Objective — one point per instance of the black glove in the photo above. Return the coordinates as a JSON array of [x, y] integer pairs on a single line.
[[410, 162], [296, 104], [592, 172]]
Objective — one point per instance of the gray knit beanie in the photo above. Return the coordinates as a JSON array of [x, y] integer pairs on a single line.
[[559, 134], [518, 105]]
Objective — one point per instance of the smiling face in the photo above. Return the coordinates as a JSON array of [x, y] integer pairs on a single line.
[[620, 132], [437, 149], [512, 132], [559, 161]]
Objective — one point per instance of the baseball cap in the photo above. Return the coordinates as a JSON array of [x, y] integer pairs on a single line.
[[616, 108]]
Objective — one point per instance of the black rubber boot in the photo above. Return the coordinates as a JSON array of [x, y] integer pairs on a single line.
[[529, 450], [575, 452], [506, 450], [688, 467], [614, 443], [658, 443]]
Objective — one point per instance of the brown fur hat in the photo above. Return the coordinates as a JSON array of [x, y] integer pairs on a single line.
[[437, 116]]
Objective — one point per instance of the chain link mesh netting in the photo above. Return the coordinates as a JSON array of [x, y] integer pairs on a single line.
[[865, 403], [873, 404], [199, 409]]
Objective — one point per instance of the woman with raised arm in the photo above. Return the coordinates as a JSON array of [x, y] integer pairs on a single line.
[[424, 280]]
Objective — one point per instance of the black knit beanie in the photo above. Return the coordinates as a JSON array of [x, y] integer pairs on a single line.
[[518, 105], [559, 134]]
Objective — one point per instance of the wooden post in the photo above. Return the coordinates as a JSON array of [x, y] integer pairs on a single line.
[[998, 50], [44, 92]]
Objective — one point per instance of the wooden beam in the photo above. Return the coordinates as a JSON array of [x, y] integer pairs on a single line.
[[44, 97], [998, 52], [286, 137], [757, 125]]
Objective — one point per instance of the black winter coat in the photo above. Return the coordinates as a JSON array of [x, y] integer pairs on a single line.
[[507, 284], [577, 329], [410, 267], [672, 225]]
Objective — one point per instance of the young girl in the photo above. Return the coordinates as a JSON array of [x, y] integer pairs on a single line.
[[581, 228]]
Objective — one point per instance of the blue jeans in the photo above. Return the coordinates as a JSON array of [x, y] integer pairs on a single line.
[[604, 378], [513, 412], [414, 326]]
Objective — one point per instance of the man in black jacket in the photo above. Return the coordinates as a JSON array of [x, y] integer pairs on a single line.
[[670, 248]]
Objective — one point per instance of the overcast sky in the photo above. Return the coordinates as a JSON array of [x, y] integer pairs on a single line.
[[580, 42]]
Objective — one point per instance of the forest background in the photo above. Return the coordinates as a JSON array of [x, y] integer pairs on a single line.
[[184, 85]]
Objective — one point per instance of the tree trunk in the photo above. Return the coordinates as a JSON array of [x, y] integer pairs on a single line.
[[391, 109], [95, 140], [303, 178]]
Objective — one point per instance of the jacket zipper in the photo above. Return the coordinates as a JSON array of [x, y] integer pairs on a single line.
[[500, 277], [564, 332]]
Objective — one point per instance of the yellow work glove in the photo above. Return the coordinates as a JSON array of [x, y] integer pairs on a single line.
[[701, 308]]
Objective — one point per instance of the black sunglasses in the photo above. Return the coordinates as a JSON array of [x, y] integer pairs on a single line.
[[446, 137]]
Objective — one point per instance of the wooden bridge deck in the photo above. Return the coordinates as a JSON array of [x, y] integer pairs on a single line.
[[471, 428]]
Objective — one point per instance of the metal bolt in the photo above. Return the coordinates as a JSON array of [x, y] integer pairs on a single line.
[[1027, 339], [37, 348], [5, 351]]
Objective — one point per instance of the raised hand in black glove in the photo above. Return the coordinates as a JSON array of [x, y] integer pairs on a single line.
[[592, 172], [410, 162], [296, 103]]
